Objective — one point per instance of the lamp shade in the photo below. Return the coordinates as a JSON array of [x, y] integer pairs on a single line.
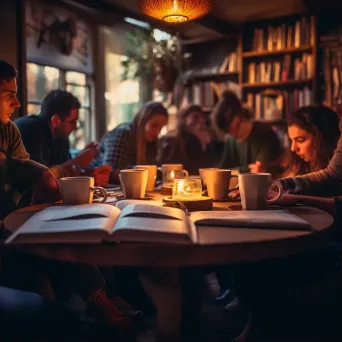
[[175, 11]]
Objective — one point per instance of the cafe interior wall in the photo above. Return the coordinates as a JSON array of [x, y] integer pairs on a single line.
[[12, 42]]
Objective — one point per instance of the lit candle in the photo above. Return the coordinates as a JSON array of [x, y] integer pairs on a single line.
[[186, 189]]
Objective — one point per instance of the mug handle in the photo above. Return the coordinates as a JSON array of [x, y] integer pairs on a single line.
[[103, 193], [281, 191], [236, 186], [186, 173]]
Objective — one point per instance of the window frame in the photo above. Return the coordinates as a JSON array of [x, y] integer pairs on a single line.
[[62, 84]]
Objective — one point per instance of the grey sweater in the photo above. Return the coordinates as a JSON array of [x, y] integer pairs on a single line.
[[11, 144]]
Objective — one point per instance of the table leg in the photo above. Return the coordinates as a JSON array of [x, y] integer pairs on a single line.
[[163, 286]]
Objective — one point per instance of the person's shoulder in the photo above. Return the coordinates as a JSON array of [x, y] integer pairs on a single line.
[[122, 130], [32, 123], [264, 128]]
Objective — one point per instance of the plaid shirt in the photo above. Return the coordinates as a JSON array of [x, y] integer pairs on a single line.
[[118, 148]]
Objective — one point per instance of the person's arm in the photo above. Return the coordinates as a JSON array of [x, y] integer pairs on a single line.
[[18, 149], [330, 205]]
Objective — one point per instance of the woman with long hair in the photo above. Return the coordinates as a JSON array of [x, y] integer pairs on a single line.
[[191, 143], [313, 132], [134, 142]]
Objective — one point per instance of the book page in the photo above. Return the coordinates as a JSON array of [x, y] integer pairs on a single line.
[[124, 203], [54, 224], [151, 223], [271, 219]]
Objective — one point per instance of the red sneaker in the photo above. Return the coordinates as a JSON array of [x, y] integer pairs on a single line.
[[107, 311], [128, 309]]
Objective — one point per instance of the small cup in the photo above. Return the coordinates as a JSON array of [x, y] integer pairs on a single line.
[[152, 175], [80, 190], [186, 189], [134, 182], [254, 189], [218, 182]]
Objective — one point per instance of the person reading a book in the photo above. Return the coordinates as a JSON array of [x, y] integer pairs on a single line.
[[134, 142], [249, 141], [46, 138], [191, 143], [314, 133]]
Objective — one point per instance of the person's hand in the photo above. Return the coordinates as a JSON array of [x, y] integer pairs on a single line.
[[257, 167], [94, 147], [86, 156], [101, 174], [46, 189]]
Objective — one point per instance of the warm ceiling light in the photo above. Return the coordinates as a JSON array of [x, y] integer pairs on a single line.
[[175, 11]]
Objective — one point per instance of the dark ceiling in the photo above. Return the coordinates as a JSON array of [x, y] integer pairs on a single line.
[[226, 17]]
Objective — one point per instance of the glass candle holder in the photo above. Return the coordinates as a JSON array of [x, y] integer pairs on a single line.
[[170, 176], [187, 189]]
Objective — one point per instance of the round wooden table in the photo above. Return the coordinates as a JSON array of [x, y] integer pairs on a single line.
[[162, 263], [238, 245]]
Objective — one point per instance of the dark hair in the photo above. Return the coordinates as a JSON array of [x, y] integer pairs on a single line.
[[7, 71], [228, 107], [182, 115], [148, 110], [323, 123], [59, 102]]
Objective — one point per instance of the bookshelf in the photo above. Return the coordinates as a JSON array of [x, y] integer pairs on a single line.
[[279, 59], [215, 66], [271, 64]]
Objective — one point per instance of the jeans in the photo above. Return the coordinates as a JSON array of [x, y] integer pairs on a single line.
[[25, 314]]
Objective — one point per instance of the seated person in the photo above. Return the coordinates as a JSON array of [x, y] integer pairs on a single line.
[[191, 144], [254, 141], [133, 142], [17, 170], [314, 133], [45, 138]]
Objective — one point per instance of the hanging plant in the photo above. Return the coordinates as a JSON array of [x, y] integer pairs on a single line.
[[147, 58]]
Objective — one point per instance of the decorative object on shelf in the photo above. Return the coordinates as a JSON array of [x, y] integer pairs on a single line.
[[148, 58], [175, 11]]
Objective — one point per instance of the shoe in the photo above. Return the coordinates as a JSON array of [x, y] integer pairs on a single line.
[[232, 305], [106, 311], [126, 308], [225, 297]]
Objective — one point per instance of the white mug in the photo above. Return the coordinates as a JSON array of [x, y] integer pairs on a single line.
[[80, 190], [254, 189], [152, 175], [134, 182], [167, 172]]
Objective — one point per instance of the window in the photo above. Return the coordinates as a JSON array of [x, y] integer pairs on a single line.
[[122, 96], [42, 79]]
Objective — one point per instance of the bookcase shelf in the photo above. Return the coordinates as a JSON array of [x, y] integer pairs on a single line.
[[289, 83], [209, 76], [251, 54]]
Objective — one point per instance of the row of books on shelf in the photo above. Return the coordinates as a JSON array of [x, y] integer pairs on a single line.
[[284, 36], [289, 68], [230, 63], [272, 106]]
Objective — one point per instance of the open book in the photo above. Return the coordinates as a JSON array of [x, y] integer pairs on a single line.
[[151, 223]]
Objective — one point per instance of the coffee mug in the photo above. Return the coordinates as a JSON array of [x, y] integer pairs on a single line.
[[80, 190], [254, 189], [152, 175], [169, 170], [134, 182], [217, 182]]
